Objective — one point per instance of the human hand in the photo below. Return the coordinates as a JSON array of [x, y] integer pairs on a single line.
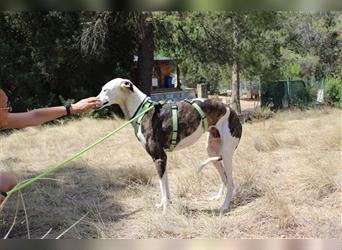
[[7, 182], [3, 109], [85, 105], [2, 198]]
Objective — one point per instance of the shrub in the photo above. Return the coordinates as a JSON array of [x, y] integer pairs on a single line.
[[333, 90]]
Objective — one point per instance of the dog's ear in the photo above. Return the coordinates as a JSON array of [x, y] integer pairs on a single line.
[[127, 85]]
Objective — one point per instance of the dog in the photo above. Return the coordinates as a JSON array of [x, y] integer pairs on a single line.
[[155, 132]]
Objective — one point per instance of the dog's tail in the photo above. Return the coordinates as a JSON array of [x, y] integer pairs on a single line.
[[207, 161]]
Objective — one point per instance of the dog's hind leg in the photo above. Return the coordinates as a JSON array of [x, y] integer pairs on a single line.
[[227, 162], [219, 167], [207, 161], [214, 152], [229, 143]]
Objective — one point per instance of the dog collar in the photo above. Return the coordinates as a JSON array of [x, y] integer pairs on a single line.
[[139, 107]]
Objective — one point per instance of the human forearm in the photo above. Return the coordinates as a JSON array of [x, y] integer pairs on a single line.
[[34, 117], [40, 116]]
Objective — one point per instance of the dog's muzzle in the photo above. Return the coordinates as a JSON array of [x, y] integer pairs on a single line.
[[104, 104]]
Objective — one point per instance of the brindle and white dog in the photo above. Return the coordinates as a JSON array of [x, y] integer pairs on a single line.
[[156, 129]]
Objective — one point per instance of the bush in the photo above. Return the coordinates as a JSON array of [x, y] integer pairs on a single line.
[[333, 90], [312, 92]]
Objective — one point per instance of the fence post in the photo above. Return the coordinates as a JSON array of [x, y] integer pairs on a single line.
[[202, 90]]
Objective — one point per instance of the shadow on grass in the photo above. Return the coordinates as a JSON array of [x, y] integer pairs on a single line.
[[64, 197], [241, 197]]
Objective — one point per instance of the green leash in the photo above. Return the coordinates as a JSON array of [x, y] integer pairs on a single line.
[[54, 168]]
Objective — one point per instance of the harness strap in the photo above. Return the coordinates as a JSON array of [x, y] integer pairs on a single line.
[[201, 113], [139, 107], [136, 124], [174, 109]]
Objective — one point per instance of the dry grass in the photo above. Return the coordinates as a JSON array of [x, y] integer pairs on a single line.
[[286, 176]]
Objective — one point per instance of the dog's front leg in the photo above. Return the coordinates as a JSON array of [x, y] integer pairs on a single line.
[[165, 193], [163, 181]]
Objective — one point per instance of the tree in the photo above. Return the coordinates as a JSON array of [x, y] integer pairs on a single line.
[[145, 52], [48, 55], [311, 45], [42, 62], [37, 56], [236, 23], [225, 39], [103, 36]]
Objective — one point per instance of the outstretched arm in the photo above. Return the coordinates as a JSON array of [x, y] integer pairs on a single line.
[[42, 115]]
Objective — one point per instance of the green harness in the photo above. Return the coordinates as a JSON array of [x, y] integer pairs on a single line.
[[136, 124], [174, 135], [201, 113], [174, 109]]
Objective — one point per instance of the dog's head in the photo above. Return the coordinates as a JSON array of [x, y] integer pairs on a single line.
[[115, 92]]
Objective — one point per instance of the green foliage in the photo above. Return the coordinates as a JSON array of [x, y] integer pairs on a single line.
[[217, 77], [203, 41], [312, 91], [297, 66], [333, 90], [273, 46], [291, 71], [312, 41], [44, 55], [41, 56]]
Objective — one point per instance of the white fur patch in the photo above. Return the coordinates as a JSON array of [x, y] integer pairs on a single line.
[[223, 126], [141, 137], [191, 139], [199, 99], [222, 120]]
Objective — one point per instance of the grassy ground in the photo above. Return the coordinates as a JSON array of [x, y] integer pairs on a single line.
[[286, 172]]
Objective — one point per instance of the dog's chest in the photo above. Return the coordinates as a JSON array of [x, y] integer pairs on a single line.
[[141, 138]]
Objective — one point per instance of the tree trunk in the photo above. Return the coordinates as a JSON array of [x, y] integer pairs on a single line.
[[178, 77], [235, 87], [236, 67], [145, 56]]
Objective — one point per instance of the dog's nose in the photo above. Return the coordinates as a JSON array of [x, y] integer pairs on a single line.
[[102, 105]]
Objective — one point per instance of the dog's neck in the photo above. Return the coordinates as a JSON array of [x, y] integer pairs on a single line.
[[132, 102]]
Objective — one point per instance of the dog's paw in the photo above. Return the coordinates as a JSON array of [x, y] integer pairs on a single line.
[[215, 197], [224, 210], [163, 204], [159, 205], [199, 169]]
